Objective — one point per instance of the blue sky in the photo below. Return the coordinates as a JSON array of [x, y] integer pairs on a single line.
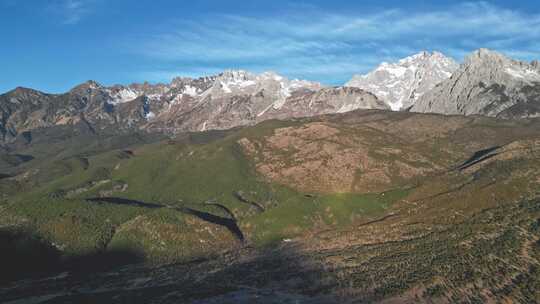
[[52, 45]]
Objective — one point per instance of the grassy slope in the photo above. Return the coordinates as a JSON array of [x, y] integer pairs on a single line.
[[435, 245], [179, 174]]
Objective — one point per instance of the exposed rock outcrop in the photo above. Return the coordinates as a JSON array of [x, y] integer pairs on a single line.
[[488, 83]]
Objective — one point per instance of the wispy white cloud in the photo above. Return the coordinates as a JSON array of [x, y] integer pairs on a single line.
[[72, 11], [332, 46]]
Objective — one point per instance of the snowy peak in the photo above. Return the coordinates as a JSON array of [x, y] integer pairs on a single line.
[[400, 84], [487, 83], [498, 66], [236, 76], [272, 86], [239, 79], [87, 85], [487, 60], [486, 55], [233, 81]]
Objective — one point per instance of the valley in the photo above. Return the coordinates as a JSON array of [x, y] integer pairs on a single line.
[[367, 205]]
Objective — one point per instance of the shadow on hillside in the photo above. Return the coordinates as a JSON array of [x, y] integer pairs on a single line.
[[26, 256], [229, 223], [280, 275]]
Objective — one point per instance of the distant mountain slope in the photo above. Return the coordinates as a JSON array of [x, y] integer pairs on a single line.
[[401, 84], [227, 100], [487, 83], [89, 103]]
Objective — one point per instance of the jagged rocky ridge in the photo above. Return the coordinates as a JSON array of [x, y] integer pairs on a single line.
[[401, 84], [487, 83], [233, 98]]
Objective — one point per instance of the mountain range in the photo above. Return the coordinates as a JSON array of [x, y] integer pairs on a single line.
[[487, 83], [233, 98]]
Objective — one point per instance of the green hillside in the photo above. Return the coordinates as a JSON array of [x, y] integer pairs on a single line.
[[377, 205]]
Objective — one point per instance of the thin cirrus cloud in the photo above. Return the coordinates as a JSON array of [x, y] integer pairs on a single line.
[[331, 46], [71, 12]]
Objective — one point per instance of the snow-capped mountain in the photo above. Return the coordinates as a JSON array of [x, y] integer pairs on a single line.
[[239, 82], [230, 99], [487, 83], [401, 84], [237, 98]]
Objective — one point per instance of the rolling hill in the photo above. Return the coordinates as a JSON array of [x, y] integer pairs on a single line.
[[367, 205]]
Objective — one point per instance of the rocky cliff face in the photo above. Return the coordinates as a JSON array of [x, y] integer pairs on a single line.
[[401, 84], [327, 101], [90, 103], [233, 98], [487, 83]]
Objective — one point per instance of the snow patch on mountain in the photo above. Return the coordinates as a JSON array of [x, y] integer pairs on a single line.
[[191, 91], [523, 73], [225, 87], [149, 115], [236, 80], [123, 95]]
